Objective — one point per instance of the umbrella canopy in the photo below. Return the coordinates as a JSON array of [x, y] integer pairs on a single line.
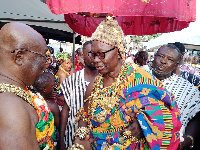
[[136, 17], [188, 36], [37, 15]]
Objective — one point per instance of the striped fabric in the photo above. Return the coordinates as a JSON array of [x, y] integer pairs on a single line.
[[187, 97], [73, 88]]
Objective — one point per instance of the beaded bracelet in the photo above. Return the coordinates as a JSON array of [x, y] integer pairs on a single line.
[[81, 132], [76, 147]]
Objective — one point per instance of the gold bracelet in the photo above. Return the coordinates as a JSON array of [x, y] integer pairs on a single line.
[[81, 132], [133, 139], [192, 139], [76, 147], [127, 135]]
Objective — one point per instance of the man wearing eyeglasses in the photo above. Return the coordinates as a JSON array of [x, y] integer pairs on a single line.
[[22, 61], [74, 88], [126, 107]]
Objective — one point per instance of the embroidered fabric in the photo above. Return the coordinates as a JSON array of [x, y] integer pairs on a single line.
[[187, 97]]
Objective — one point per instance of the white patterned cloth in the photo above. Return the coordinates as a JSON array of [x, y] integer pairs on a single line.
[[73, 88], [187, 97]]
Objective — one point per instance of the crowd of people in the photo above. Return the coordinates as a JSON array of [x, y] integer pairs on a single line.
[[112, 100]]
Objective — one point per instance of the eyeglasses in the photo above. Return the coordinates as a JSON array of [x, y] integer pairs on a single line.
[[41, 54], [101, 55]]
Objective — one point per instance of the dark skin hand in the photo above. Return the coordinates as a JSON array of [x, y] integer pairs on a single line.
[[135, 128], [86, 142], [193, 130]]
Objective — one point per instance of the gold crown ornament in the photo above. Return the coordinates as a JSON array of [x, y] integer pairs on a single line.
[[110, 33]]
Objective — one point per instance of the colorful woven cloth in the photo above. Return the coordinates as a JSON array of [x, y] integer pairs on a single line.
[[157, 114], [45, 129]]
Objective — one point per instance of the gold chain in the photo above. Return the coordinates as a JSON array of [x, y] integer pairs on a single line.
[[106, 103], [17, 91]]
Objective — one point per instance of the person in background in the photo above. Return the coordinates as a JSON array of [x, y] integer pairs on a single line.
[[45, 85], [64, 60], [79, 61], [26, 121], [196, 63], [166, 59], [74, 88], [65, 63], [125, 107], [129, 58], [193, 79], [141, 59], [190, 59], [48, 63]]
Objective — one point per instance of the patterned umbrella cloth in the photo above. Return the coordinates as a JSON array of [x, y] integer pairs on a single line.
[[136, 17]]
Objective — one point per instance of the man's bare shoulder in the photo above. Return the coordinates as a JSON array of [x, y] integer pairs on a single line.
[[18, 120]]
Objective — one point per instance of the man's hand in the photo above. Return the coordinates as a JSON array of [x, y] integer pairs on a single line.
[[86, 142], [135, 128]]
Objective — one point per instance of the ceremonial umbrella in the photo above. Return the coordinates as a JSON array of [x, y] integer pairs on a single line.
[[136, 17]]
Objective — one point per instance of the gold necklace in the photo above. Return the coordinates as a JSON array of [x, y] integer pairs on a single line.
[[4, 87], [106, 103], [61, 68]]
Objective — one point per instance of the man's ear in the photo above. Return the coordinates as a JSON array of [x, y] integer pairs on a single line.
[[19, 57]]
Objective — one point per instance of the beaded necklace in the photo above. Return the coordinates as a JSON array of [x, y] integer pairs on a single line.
[[107, 98], [17, 91], [61, 68]]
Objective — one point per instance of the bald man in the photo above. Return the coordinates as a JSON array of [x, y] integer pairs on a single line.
[[22, 61]]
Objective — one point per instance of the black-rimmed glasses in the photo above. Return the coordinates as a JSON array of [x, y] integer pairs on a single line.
[[41, 54], [101, 55]]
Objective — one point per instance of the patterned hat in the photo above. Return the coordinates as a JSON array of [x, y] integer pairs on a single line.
[[110, 32], [62, 56]]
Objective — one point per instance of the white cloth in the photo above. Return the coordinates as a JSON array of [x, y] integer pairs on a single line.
[[73, 88], [187, 97], [145, 67], [129, 60]]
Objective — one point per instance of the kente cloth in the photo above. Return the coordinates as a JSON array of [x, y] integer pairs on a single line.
[[156, 109], [191, 78], [187, 97], [189, 68], [45, 128]]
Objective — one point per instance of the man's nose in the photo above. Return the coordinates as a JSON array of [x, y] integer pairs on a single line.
[[96, 58]]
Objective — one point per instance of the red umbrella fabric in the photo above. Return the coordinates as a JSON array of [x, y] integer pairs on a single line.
[[136, 17], [131, 25]]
